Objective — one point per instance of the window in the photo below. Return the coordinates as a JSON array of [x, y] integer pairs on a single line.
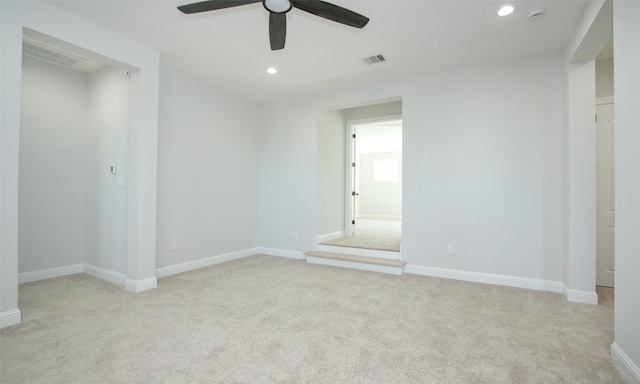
[[385, 170]]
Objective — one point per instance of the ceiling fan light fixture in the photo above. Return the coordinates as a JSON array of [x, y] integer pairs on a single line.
[[277, 6], [505, 10]]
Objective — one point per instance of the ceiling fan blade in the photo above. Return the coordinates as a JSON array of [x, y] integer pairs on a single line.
[[212, 5], [331, 12], [277, 30]]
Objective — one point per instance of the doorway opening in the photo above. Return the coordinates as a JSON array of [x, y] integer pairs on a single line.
[[373, 209]]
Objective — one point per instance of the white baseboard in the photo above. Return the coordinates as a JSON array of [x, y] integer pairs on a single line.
[[101, 273], [486, 278], [140, 285], [329, 236], [627, 368], [191, 265], [281, 253], [50, 273], [578, 296], [9, 318], [105, 274]]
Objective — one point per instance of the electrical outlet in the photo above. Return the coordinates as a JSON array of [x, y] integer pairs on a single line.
[[450, 249], [174, 245], [295, 236]]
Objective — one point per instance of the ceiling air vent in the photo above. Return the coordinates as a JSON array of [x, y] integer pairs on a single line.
[[374, 59], [51, 55]]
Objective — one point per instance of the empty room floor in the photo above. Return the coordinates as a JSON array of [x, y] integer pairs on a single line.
[[268, 319]]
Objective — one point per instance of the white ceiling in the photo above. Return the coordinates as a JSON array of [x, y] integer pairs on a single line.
[[230, 48]]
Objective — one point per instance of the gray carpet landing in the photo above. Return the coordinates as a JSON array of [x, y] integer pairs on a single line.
[[265, 319], [378, 234]]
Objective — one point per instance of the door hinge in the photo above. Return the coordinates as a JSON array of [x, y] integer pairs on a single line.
[[353, 222], [353, 164], [353, 193], [354, 135]]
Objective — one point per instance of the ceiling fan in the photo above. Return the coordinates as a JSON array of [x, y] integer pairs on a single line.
[[277, 14]]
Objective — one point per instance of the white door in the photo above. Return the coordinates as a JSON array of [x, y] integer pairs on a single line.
[[605, 201], [355, 187]]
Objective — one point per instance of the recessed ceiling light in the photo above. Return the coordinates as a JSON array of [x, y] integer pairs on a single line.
[[505, 11], [272, 71]]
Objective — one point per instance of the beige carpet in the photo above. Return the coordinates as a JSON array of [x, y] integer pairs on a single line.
[[379, 234], [264, 319]]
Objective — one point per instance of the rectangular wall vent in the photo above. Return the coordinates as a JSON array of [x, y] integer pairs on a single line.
[[48, 54], [374, 59]]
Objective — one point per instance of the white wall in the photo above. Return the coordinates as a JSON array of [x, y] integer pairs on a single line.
[[482, 167], [379, 198], [207, 171], [368, 112], [590, 35], [288, 177], [626, 29], [331, 172], [73, 127], [107, 143], [144, 62], [580, 179], [52, 140]]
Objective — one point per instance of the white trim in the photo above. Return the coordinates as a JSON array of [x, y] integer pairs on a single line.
[[105, 274], [329, 236], [604, 100], [281, 253], [140, 285], [627, 368], [201, 263], [9, 318], [50, 273], [355, 265], [578, 296], [486, 278]]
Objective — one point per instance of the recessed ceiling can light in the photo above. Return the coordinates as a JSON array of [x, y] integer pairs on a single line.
[[505, 11], [272, 71]]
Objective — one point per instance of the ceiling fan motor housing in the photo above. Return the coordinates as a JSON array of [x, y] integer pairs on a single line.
[[277, 6]]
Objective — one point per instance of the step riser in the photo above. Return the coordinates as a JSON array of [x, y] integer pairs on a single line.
[[355, 265], [360, 251]]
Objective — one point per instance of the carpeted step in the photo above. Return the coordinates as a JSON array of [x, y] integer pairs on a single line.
[[365, 263], [375, 253]]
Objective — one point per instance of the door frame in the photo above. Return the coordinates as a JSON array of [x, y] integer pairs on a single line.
[[350, 174]]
